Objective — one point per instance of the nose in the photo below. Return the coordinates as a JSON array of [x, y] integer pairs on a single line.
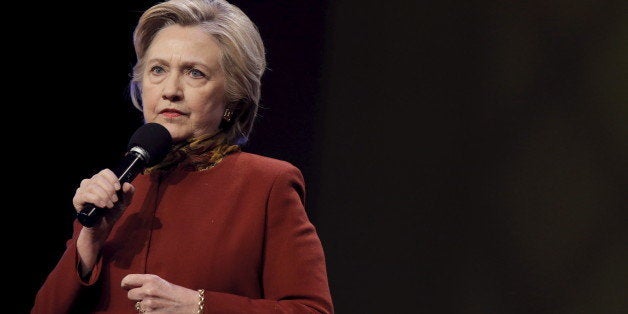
[[172, 88]]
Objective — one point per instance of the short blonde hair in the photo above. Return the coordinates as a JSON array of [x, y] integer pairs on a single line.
[[242, 53]]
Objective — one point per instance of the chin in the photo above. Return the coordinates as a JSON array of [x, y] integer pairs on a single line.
[[177, 137]]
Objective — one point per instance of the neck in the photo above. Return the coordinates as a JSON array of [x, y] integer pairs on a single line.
[[196, 154]]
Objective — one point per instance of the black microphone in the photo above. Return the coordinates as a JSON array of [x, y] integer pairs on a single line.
[[147, 147]]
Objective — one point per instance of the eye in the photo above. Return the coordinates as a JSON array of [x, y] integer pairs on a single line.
[[157, 70], [195, 73]]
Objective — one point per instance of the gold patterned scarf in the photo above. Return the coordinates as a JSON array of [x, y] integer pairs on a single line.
[[195, 154]]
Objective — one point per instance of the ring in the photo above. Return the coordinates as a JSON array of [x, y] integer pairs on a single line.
[[138, 306]]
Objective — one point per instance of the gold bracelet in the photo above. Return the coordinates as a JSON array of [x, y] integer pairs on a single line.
[[201, 301]]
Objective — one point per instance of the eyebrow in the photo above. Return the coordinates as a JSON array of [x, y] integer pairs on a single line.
[[185, 64]]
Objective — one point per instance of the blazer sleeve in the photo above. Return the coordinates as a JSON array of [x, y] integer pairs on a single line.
[[294, 275], [64, 286]]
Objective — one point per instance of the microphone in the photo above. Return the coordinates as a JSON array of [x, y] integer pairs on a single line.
[[147, 147]]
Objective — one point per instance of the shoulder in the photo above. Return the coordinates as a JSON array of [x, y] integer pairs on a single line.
[[253, 165], [256, 162]]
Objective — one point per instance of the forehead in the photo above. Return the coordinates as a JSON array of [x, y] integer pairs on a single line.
[[188, 43]]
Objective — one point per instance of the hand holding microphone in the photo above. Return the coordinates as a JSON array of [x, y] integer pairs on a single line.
[[148, 146]]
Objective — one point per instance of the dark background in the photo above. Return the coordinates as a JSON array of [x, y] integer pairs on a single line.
[[460, 156]]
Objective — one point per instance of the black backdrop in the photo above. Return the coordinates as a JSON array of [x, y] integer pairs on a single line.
[[459, 157]]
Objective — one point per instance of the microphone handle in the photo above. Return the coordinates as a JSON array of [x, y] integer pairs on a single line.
[[130, 167]]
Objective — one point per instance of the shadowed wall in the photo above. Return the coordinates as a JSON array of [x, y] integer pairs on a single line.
[[474, 157]]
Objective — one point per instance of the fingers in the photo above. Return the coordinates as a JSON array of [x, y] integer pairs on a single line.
[[99, 190], [138, 289], [142, 286], [155, 305], [133, 281], [153, 293]]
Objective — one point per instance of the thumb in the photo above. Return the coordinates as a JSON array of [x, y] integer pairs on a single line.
[[131, 281], [128, 190]]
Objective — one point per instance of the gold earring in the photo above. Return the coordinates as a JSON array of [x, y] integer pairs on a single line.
[[228, 115]]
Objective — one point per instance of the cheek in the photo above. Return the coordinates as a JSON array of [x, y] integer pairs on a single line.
[[150, 98], [212, 111]]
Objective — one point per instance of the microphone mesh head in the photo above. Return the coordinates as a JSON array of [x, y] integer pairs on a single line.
[[155, 139]]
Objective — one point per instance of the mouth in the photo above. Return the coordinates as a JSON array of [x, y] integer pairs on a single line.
[[171, 113]]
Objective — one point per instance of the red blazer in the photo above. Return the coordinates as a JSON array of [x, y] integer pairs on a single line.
[[238, 230]]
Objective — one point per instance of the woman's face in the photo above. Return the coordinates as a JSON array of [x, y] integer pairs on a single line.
[[183, 85]]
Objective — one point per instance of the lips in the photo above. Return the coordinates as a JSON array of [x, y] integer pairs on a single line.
[[171, 113]]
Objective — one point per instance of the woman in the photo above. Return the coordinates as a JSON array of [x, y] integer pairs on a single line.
[[210, 229]]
